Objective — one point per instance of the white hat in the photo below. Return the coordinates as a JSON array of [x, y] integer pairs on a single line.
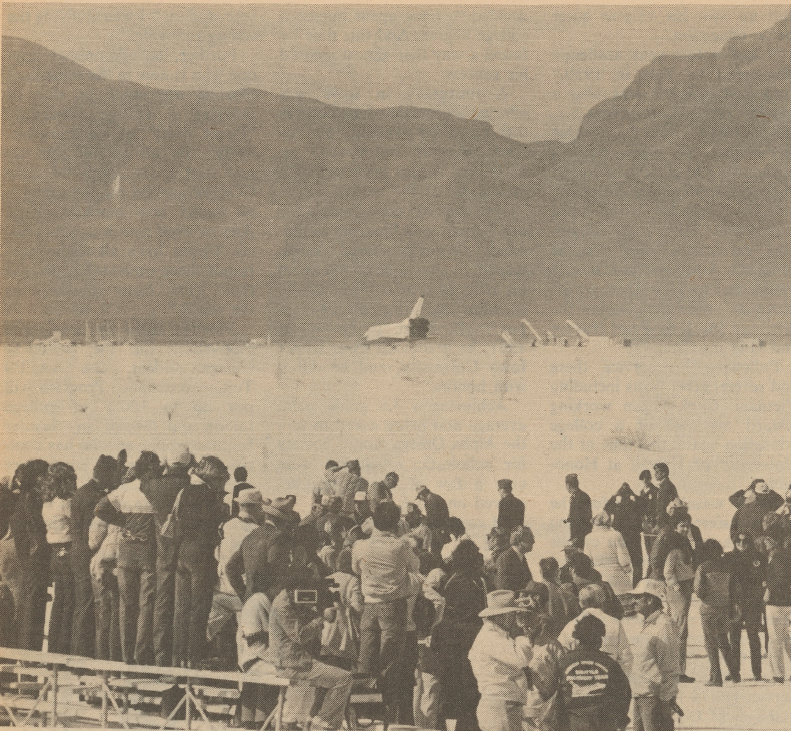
[[250, 496], [501, 601], [179, 454], [360, 496], [654, 587]]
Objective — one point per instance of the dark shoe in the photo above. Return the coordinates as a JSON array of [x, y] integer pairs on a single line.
[[779, 680], [685, 679], [737, 679], [713, 684]]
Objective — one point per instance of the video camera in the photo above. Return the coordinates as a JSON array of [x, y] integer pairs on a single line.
[[318, 593]]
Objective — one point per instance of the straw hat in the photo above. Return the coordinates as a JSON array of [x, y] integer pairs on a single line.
[[650, 586], [502, 601], [250, 496]]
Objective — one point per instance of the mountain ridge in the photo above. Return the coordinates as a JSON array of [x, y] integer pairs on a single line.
[[245, 212]]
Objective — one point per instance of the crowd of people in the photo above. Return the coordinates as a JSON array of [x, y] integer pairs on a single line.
[[158, 563]]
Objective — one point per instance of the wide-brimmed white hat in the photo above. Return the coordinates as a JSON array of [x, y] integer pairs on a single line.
[[501, 601], [179, 454], [654, 587], [250, 496]]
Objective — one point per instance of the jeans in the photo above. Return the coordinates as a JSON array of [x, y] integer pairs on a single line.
[[426, 705], [196, 574], [165, 597], [59, 633], [382, 637], [777, 627], [495, 714], [137, 584], [107, 618], [678, 603], [651, 713], [715, 638], [751, 617], [339, 687], [83, 624]]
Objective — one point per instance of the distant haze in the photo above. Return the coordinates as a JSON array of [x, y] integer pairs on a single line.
[[532, 72]]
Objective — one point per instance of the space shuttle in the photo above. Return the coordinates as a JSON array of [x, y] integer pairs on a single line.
[[413, 327]]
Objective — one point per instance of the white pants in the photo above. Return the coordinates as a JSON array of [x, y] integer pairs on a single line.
[[223, 607], [339, 687], [778, 620], [495, 714], [426, 700]]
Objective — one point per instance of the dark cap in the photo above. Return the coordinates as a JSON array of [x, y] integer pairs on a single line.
[[504, 484]]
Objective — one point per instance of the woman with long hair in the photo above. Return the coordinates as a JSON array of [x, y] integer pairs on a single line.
[[59, 487], [452, 638]]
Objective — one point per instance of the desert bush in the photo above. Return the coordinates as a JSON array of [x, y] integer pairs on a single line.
[[630, 437]]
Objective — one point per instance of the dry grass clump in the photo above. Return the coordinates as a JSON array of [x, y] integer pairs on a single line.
[[630, 437]]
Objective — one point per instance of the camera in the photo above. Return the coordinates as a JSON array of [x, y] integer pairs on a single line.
[[306, 596], [317, 593]]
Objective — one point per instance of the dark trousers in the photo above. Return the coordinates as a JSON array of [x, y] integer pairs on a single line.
[[652, 714], [59, 632], [31, 609], [404, 708], [165, 597], [382, 637], [137, 585], [107, 618], [83, 623], [196, 574], [715, 638], [751, 620], [634, 545]]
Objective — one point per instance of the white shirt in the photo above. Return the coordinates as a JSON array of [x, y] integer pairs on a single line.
[[57, 517], [615, 642], [498, 662], [128, 499], [253, 619], [233, 533]]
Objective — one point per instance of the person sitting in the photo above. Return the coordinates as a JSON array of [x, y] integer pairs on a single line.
[[594, 692], [295, 627]]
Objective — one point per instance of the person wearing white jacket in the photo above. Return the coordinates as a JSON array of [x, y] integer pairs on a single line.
[[499, 659], [607, 549]]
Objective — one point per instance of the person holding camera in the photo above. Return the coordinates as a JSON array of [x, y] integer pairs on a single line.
[[295, 629]]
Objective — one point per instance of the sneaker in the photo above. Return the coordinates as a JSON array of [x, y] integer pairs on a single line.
[[713, 684], [685, 679]]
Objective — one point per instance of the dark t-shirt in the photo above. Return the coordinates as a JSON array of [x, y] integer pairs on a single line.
[[593, 692]]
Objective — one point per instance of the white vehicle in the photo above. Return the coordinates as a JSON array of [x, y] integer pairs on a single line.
[[413, 327]]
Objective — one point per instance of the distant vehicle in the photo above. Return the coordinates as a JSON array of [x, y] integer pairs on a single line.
[[412, 328], [56, 341]]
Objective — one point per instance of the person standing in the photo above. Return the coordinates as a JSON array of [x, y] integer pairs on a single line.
[[627, 519], [29, 533], [716, 588], [198, 517], [380, 491], [162, 492], [105, 478], [511, 510], [666, 492], [59, 488], [759, 501], [383, 562], [225, 602], [128, 508], [498, 658], [348, 484], [562, 605], [655, 670], [679, 573], [777, 598], [749, 568], [437, 516], [513, 572], [594, 692], [580, 512], [615, 642], [607, 549]]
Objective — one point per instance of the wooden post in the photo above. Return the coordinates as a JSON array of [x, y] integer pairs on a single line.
[[281, 697], [54, 695], [188, 708], [104, 699]]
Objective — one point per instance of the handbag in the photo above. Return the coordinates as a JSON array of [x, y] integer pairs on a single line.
[[168, 529]]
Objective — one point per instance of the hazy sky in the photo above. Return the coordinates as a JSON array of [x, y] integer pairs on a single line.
[[532, 71]]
